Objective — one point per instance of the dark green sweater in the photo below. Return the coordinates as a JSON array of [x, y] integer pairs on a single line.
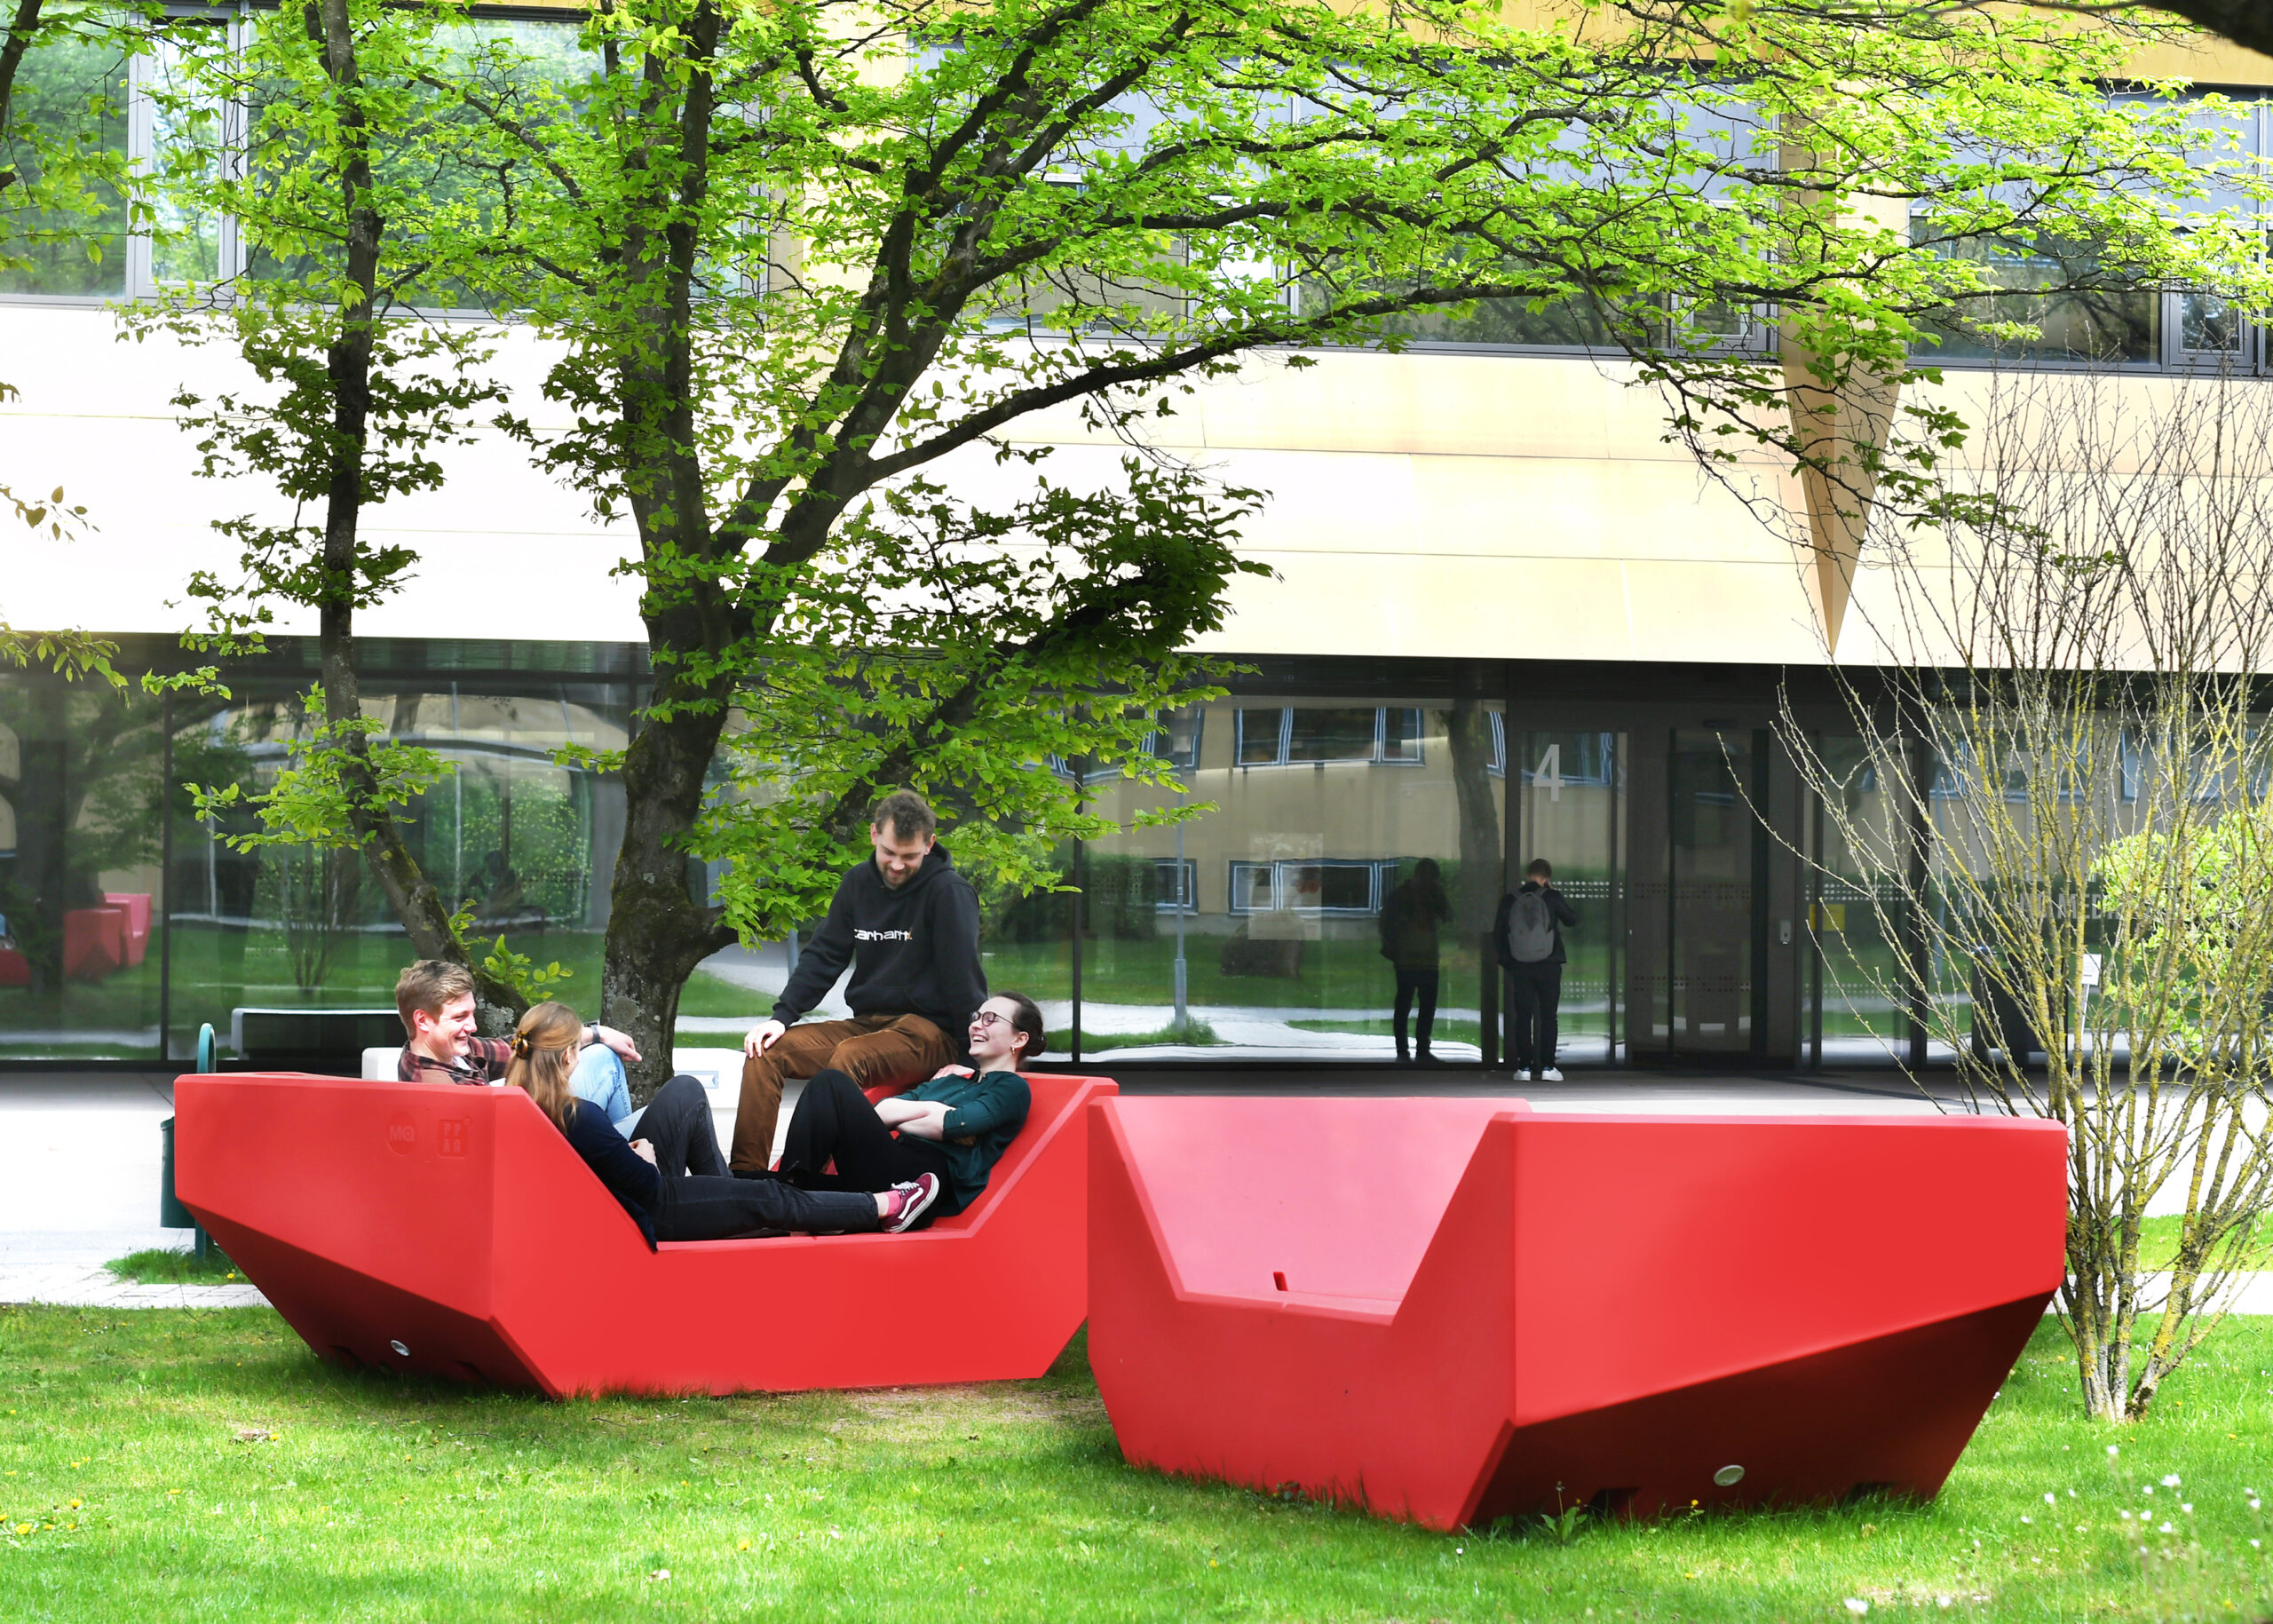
[[988, 1110]]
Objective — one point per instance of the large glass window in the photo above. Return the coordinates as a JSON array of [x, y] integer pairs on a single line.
[[527, 844], [2095, 313], [1856, 910], [1280, 925], [81, 776], [1573, 815], [72, 92]]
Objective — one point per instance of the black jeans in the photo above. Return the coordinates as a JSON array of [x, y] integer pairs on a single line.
[[703, 1206], [1535, 992], [834, 1121], [678, 1123], [1409, 983], [699, 1201]]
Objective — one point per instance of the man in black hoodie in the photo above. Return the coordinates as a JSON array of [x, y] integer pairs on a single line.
[[909, 924]]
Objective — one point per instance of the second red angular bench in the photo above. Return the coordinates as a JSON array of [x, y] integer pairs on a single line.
[[1451, 1310]]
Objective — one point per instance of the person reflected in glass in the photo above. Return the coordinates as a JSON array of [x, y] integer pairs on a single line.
[[1529, 933], [1408, 926], [952, 1129]]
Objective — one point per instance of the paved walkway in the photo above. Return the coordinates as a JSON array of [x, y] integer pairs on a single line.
[[79, 1154]]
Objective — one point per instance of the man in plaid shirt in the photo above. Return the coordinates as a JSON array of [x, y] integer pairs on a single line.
[[435, 998]]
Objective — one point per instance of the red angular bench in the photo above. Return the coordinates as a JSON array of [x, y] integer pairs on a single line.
[[1450, 1311], [453, 1232]]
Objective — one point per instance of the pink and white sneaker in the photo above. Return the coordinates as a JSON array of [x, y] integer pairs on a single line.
[[911, 1201]]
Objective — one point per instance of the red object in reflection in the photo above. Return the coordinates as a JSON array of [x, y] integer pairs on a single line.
[[137, 904], [94, 942], [15, 969], [453, 1232], [1487, 1311]]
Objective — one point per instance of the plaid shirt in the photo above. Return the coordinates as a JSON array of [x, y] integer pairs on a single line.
[[485, 1063]]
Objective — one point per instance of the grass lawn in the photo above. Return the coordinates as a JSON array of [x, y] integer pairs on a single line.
[[167, 1265], [2159, 1244], [196, 1466]]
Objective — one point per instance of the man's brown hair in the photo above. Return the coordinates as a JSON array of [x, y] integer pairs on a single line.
[[429, 985], [910, 816]]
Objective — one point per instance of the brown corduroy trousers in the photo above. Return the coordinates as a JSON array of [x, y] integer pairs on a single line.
[[900, 1050]]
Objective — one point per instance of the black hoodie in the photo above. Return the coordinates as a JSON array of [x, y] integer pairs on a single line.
[[914, 951]]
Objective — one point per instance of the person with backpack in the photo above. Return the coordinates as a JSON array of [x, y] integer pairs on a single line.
[[1529, 932], [1408, 926]]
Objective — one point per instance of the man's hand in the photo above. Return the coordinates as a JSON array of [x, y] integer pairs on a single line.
[[619, 1041], [762, 1037], [643, 1151]]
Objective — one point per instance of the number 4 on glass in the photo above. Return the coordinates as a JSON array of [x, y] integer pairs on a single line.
[[1550, 773]]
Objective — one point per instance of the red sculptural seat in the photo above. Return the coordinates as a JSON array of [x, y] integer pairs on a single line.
[[453, 1232], [94, 942], [137, 904], [1453, 1310]]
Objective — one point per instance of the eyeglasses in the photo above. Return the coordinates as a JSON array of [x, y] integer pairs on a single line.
[[988, 1018]]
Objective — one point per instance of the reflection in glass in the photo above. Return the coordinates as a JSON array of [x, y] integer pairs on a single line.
[[2052, 300], [1854, 915], [188, 141], [1573, 815], [2209, 324], [71, 94], [1271, 945], [1710, 858], [526, 845], [80, 838]]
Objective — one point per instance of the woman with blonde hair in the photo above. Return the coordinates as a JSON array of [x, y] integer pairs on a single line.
[[669, 1176]]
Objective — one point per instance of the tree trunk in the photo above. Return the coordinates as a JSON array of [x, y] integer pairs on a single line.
[[1469, 734], [348, 366], [657, 930]]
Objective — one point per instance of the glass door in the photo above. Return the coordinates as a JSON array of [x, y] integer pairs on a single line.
[[1712, 926]]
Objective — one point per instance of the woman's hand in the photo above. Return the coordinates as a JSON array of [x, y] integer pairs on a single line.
[[951, 1071], [898, 1109], [643, 1151]]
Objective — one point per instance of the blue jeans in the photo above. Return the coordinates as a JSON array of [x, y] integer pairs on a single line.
[[598, 1077]]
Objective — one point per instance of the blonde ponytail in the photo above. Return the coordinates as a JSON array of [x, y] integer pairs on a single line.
[[544, 1057]]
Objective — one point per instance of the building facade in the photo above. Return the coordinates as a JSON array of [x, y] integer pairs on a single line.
[[1507, 620]]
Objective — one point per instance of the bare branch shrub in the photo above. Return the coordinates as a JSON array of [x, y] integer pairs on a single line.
[[2073, 844]]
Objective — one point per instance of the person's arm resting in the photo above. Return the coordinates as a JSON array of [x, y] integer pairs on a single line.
[[899, 1109], [926, 1118], [1002, 1098], [822, 961], [609, 1037], [607, 1152]]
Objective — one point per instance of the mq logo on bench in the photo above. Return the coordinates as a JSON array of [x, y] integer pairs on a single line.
[[403, 1134]]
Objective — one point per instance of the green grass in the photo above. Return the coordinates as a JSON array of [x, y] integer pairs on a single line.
[[164, 1265], [1442, 1032], [2159, 1244], [205, 1466], [1194, 1033]]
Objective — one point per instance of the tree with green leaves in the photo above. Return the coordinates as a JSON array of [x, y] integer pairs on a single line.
[[806, 268]]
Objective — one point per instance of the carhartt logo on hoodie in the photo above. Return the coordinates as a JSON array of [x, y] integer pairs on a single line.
[[884, 936]]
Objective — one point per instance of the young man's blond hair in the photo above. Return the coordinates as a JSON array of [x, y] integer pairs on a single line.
[[429, 985]]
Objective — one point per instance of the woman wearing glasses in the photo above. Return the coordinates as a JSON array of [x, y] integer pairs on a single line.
[[950, 1129]]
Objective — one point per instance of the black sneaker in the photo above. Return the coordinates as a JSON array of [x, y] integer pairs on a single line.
[[916, 1199]]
